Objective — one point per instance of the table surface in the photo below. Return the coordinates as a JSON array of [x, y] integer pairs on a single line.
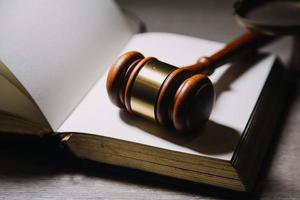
[[30, 169]]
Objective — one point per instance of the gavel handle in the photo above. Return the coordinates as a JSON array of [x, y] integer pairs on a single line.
[[244, 44]]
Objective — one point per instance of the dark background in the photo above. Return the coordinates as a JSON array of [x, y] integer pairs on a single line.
[[31, 168]]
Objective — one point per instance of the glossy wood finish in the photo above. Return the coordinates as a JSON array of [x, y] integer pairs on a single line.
[[116, 76], [176, 98], [165, 99], [193, 103], [244, 44]]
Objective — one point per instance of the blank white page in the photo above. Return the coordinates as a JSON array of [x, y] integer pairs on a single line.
[[58, 48], [233, 106]]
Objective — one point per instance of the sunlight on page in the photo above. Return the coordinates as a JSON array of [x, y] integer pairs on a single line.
[[235, 101]]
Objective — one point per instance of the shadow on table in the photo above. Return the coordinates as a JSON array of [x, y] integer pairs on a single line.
[[28, 159], [276, 138]]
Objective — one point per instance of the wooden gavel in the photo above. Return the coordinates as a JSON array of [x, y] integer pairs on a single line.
[[178, 97]]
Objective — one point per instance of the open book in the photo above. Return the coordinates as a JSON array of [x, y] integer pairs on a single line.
[[54, 60]]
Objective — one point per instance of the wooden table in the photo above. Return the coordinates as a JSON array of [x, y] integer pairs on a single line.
[[31, 169]]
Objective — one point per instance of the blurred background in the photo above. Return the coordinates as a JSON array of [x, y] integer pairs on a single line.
[[213, 20]]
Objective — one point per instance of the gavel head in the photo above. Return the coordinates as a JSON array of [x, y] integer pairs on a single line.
[[164, 93]]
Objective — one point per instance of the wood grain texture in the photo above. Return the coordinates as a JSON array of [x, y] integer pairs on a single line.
[[193, 103], [116, 78], [233, 50], [31, 170]]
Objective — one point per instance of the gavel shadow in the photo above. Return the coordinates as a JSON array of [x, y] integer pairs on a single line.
[[236, 70], [213, 138]]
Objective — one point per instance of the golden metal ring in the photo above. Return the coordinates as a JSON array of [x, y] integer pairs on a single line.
[[145, 89]]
